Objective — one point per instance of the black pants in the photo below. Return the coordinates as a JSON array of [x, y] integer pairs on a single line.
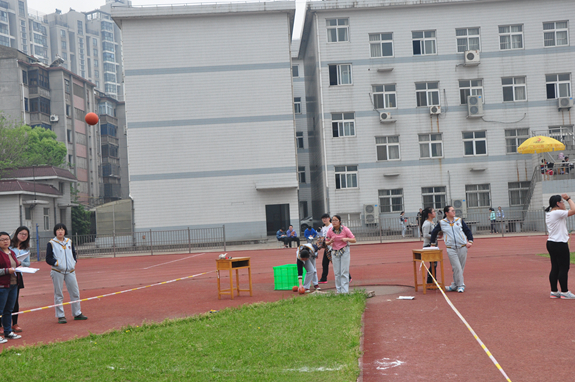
[[493, 229], [560, 263], [16, 309], [325, 266], [285, 240], [292, 239]]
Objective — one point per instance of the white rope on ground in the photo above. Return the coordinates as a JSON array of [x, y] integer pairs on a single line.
[[110, 294], [173, 261], [491, 357]]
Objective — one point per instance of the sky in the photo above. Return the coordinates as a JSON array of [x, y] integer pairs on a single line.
[[49, 6]]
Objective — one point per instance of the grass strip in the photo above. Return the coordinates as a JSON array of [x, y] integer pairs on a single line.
[[306, 338], [572, 256]]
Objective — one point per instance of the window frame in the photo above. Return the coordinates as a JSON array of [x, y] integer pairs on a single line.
[[466, 91], [337, 27], [386, 202], [522, 189], [299, 139], [510, 34], [385, 95], [387, 144], [341, 119], [430, 144], [517, 138], [514, 87], [474, 141], [480, 202], [348, 173], [555, 30], [295, 71], [557, 82], [380, 43], [467, 36], [422, 42], [338, 73], [297, 105], [301, 174], [428, 94], [434, 192]]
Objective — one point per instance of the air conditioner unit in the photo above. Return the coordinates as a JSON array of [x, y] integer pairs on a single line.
[[385, 118], [471, 57], [53, 118], [460, 207], [435, 110], [371, 213], [474, 106], [565, 103]]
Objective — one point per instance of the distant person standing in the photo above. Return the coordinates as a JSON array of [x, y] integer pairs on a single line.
[[493, 220], [426, 227], [20, 245], [403, 222], [501, 218], [558, 244], [420, 220], [339, 237]]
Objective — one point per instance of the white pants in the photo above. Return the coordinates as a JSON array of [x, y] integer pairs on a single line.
[[58, 280], [457, 258], [311, 273], [341, 270]]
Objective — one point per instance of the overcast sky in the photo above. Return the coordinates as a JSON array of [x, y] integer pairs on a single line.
[[49, 6]]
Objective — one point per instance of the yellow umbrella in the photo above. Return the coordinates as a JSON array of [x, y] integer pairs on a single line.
[[540, 144]]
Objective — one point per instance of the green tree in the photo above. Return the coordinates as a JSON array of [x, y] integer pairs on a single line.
[[13, 144], [80, 220]]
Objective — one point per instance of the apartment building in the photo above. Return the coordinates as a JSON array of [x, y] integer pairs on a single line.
[[424, 103], [211, 128]]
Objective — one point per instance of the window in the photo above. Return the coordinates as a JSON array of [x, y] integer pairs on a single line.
[[69, 136], [299, 139], [467, 39], [26, 104], [558, 85], [387, 147], [514, 138], [555, 33], [27, 213], [511, 37], [46, 219], [343, 124], [21, 8], [474, 143], [95, 52], [430, 146], [63, 44], [62, 33], [470, 87], [109, 77], [477, 195], [345, 177], [514, 89], [297, 105], [518, 193], [337, 30], [96, 63], [340, 74], [423, 42], [427, 93], [295, 71], [80, 28], [80, 115], [40, 104], [106, 108], [433, 197], [301, 174], [391, 200], [67, 85], [384, 96], [381, 44], [68, 110], [24, 77]]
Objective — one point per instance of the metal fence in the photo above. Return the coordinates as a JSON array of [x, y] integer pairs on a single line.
[[143, 242], [515, 221]]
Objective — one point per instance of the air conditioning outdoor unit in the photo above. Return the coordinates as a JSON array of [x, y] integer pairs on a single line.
[[474, 106], [385, 118], [371, 213], [471, 58], [460, 207], [53, 118], [565, 103], [435, 110]]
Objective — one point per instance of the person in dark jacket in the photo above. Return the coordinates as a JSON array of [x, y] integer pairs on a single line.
[[61, 255], [8, 286]]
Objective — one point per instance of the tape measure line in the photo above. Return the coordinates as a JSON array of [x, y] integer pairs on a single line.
[[110, 294], [491, 357]]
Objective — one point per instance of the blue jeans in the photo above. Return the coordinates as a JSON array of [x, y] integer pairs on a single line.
[[7, 301]]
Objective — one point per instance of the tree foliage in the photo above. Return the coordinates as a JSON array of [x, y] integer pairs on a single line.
[[80, 220], [23, 146]]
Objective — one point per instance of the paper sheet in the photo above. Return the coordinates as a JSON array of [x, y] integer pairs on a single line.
[[23, 255], [430, 248], [27, 270], [406, 297]]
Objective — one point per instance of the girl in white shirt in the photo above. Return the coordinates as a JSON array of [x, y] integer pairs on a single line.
[[557, 244]]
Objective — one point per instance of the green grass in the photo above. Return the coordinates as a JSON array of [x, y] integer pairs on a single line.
[[572, 261], [311, 338]]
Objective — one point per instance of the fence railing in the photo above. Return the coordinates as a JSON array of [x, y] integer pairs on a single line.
[[143, 242]]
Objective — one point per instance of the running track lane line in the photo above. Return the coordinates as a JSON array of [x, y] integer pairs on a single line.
[[491, 357], [173, 261], [111, 294]]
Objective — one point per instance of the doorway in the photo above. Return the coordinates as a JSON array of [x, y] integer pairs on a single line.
[[277, 216]]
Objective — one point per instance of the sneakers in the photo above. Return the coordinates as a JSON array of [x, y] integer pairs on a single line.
[[461, 289], [322, 282], [555, 295], [316, 287], [80, 317], [3, 340], [307, 291], [12, 336], [450, 288], [567, 295], [16, 329], [62, 320]]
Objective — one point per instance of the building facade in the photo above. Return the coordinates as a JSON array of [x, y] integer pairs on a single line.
[[413, 104], [211, 129]]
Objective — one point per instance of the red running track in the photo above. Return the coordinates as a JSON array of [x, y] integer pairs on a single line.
[[506, 302]]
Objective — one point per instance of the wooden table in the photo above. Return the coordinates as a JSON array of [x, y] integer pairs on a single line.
[[236, 263], [427, 255]]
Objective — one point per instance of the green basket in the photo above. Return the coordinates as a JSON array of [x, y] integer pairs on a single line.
[[285, 277]]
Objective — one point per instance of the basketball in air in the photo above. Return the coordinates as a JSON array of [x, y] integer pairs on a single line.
[[91, 118]]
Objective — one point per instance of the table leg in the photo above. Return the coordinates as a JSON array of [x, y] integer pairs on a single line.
[[415, 273], [423, 278], [250, 279], [231, 284], [442, 279], [219, 288], [238, 280]]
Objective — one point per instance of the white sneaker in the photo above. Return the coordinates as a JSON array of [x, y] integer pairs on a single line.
[[14, 336], [3, 340], [568, 295], [555, 295]]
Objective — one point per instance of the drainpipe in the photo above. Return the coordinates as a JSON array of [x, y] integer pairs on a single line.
[[326, 188]]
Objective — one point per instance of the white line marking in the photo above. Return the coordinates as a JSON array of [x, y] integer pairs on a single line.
[[157, 265]]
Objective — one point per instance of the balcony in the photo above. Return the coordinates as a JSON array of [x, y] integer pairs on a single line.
[[110, 170], [109, 139], [110, 160], [112, 191], [105, 118]]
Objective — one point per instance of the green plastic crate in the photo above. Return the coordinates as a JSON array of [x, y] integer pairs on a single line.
[[285, 277]]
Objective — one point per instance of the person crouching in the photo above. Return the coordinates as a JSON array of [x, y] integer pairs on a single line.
[[306, 255]]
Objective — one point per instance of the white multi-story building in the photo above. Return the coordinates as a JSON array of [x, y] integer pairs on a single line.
[[211, 128], [421, 103]]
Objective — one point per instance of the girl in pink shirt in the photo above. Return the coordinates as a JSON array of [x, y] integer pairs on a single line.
[[339, 238]]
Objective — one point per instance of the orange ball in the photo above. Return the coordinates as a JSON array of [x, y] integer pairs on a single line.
[[294, 289], [91, 118], [301, 290]]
